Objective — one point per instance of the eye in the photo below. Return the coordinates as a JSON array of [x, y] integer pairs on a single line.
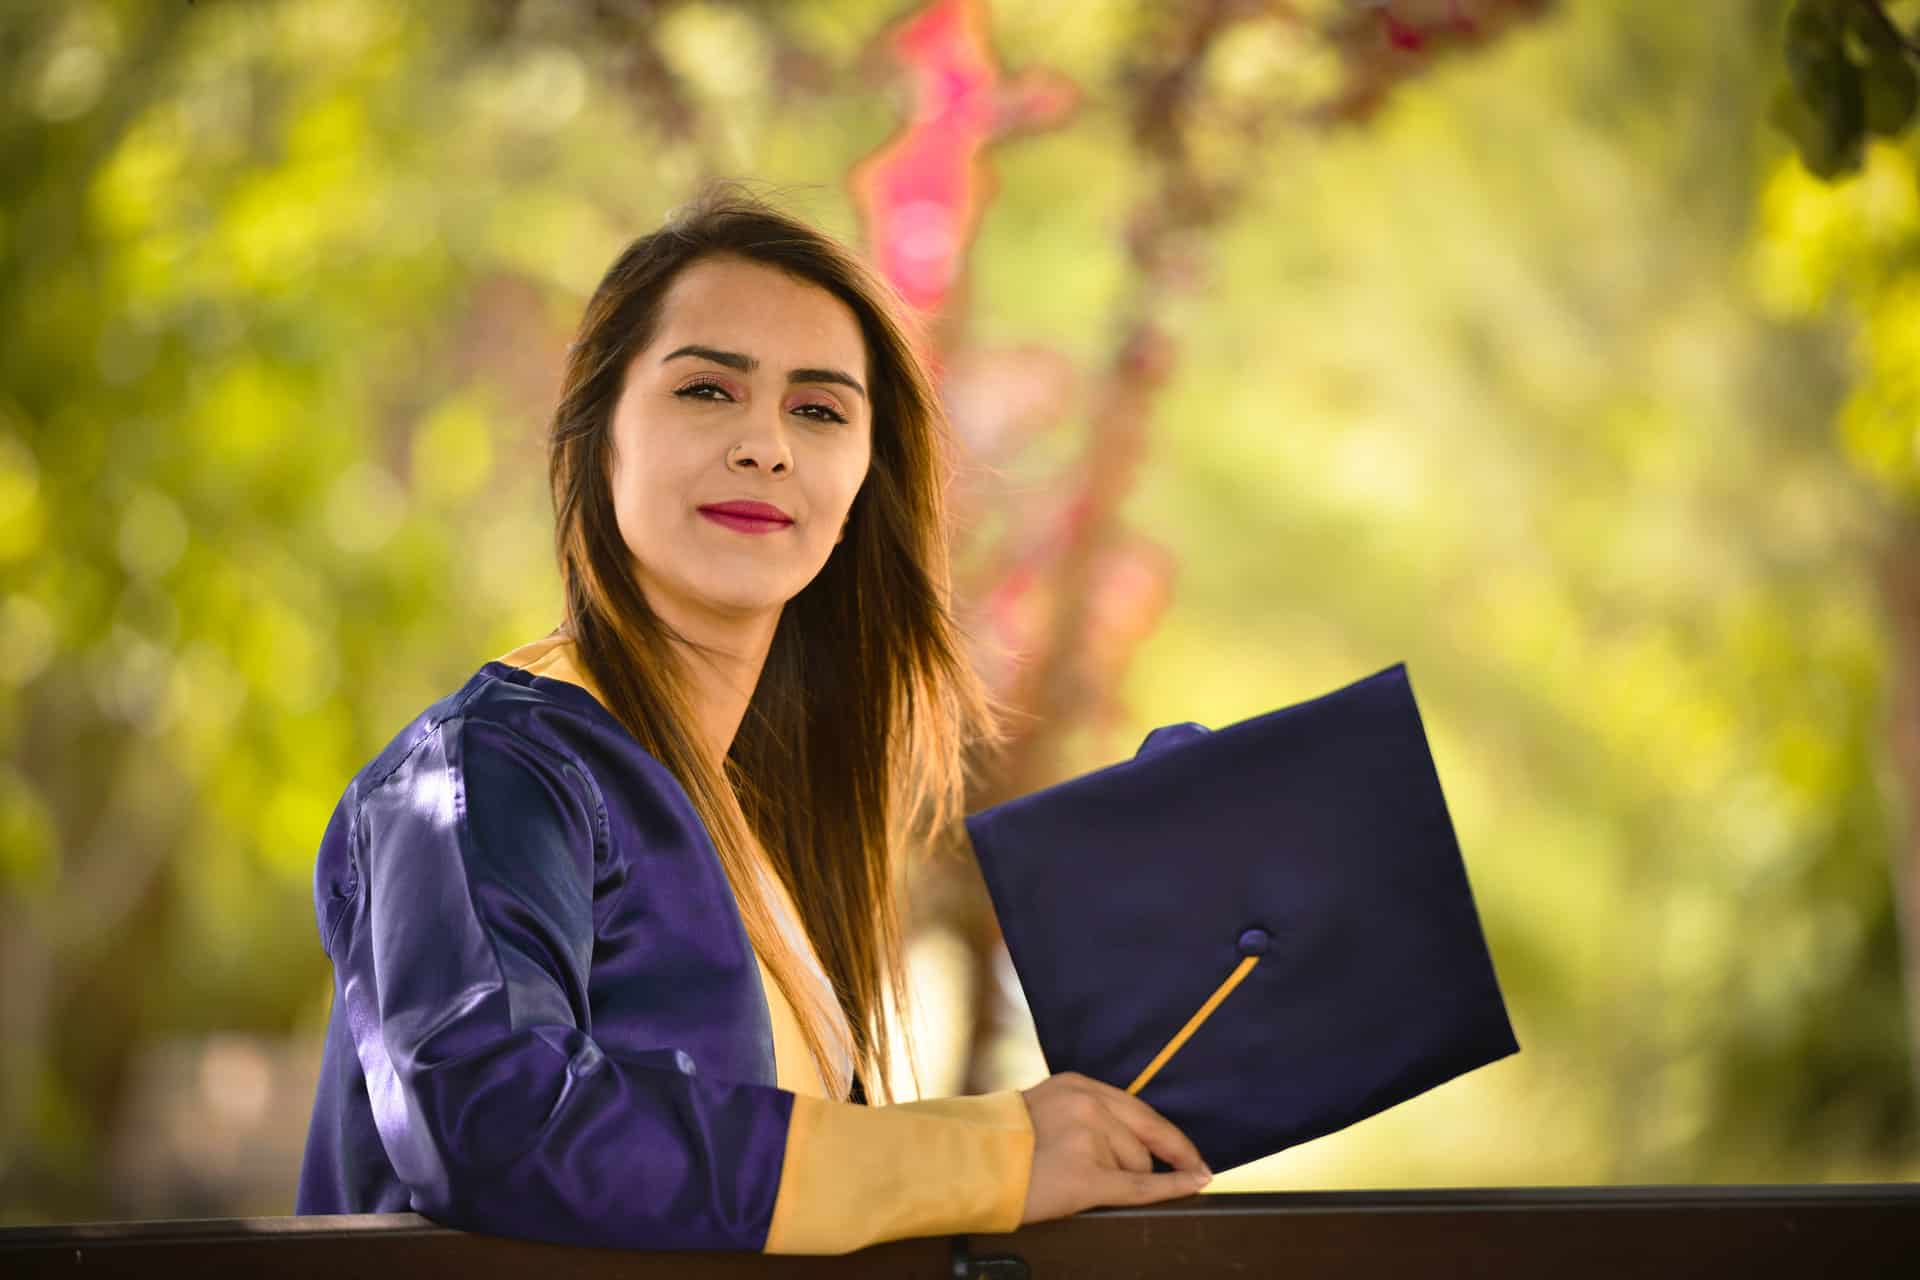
[[687, 392], [833, 415]]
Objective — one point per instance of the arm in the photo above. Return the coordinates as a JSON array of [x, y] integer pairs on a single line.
[[857, 1175], [466, 978]]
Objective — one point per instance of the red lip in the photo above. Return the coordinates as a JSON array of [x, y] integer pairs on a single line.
[[749, 511], [748, 517]]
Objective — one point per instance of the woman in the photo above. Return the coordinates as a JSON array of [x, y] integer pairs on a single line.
[[611, 925]]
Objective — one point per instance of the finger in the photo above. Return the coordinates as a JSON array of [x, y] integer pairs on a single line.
[[1129, 1152], [1150, 1188], [1159, 1134]]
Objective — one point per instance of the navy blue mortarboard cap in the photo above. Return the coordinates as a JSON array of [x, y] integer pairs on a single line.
[[1265, 930]]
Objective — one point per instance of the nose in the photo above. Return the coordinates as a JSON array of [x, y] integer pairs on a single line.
[[770, 457], [764, 451]]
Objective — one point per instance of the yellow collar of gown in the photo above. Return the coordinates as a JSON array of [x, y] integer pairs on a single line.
[[552, 656]]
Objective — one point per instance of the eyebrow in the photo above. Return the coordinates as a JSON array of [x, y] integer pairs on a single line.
[[747, 364]]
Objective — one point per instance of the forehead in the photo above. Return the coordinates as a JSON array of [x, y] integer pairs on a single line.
[[737, 305]]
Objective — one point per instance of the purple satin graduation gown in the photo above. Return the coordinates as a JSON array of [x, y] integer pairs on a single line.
[[547, 1019]]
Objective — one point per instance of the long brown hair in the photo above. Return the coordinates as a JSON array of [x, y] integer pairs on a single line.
[[853, 747]]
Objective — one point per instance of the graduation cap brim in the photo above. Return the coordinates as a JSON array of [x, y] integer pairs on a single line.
[[1300, 870]]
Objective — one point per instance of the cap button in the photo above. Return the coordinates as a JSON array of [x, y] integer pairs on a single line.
[[1254, 942]]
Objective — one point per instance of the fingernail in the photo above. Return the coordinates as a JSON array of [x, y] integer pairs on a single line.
[[1202, 1177]]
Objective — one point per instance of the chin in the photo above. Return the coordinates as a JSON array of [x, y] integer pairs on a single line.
[[748, 591]]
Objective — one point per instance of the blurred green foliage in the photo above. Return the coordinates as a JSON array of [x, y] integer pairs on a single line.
[[1854, 246], [1533, 424], [1532, 383], [1851, 76]]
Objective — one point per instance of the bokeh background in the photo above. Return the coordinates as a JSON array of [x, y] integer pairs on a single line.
[[1285, 341]]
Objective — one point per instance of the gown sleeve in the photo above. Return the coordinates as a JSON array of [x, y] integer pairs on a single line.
[[464, 935], [857, 1175]]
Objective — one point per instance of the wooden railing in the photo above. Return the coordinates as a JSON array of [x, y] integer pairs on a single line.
[[1566, 1233]]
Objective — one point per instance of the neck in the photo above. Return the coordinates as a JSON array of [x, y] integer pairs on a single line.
[[722, 666]]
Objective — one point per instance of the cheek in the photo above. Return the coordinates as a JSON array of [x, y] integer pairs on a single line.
[[851, 475], [646, 475], [624, 478]]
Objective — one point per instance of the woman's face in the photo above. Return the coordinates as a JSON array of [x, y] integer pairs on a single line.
[[754, 390]]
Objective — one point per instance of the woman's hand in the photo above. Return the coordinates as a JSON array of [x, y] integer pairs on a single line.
[[1094, 1144]]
